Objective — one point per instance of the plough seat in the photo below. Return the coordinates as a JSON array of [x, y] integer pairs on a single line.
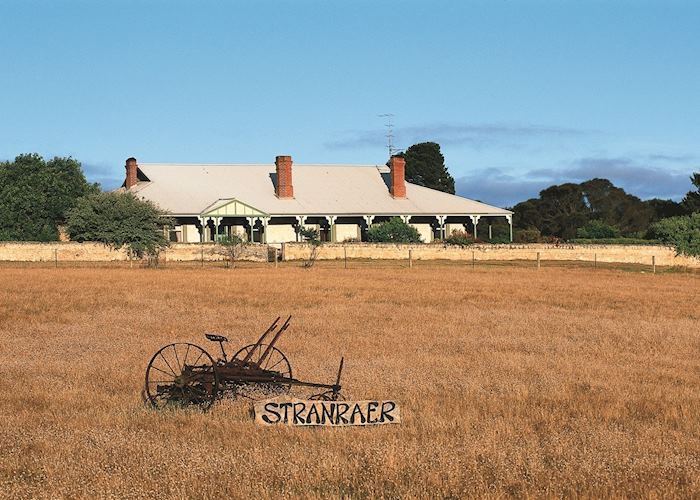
[[215, 338]]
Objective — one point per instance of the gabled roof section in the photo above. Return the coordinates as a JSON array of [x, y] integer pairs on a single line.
[[231, 207], [184, 189]]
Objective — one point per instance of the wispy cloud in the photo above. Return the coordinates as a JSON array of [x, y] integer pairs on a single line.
[[642, 179], [476, 136], [671, 158]]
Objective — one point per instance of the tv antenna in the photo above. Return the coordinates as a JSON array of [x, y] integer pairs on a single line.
[[389, 124]]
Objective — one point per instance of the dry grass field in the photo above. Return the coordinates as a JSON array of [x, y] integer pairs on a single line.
[[512, 382]]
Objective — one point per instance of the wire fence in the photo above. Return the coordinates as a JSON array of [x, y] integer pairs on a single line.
[[409, 263]]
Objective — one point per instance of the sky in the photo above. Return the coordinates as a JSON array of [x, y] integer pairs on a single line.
[[519, 94]]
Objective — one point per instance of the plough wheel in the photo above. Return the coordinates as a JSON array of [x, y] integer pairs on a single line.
[[275, 361], [181, 375]]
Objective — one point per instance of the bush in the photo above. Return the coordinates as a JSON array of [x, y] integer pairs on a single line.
[[230, 246], [119, 220], [460, 238], [393, 231], [500, 240], [531, 235], [681, 232], [597, 229]]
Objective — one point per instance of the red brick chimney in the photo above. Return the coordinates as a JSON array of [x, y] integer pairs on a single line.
[[284, 177], [398, 177], [131, 177]]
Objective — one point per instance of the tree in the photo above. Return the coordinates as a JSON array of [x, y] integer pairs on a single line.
[[425, 166], [35, 196], [311, 236], [681, 232], [616, 208], [393, 231], [526, 215], [691, 202], [230, 246], [563, 210], [120, 220], [664, 209]]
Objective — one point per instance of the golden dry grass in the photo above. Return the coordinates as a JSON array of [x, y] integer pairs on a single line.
[[512, 382]]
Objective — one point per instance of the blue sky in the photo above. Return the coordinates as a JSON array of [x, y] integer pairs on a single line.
[[520, 94]]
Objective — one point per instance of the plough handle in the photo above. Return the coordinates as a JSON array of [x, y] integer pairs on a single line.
[[274, 340], [260, 340], [340, 370]]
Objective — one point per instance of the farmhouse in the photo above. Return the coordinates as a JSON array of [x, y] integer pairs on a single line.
[[269, 203]]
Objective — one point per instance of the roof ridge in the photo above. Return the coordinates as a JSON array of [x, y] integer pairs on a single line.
[[363, 165]]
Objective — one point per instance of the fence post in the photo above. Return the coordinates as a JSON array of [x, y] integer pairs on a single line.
[[55, 257], [595, 261], [538, 260], [653, 263], [201, 254], [345, 255], [473, 259], [410, 258]]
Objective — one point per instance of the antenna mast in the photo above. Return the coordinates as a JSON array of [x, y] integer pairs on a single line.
[[389, 124]]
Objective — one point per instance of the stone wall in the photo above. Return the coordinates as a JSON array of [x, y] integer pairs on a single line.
[[95, 252], [183, 252], [631, 254]]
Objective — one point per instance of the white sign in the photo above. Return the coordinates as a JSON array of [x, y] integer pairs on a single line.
[[291, 411]]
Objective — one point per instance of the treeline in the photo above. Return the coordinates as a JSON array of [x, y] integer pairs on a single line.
[[40, 198], [597, 209]]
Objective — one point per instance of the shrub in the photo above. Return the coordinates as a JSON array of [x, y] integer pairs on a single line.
[[230, 246], [596, 229], [311, 236], [613, 241], [119, 220], [393, 231], [460, 238], [531, 235], [681, 232]]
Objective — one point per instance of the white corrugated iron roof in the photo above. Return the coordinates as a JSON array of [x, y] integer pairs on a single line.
[[187, 189]]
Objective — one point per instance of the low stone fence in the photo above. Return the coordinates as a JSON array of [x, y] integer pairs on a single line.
[[96, 252], [208, 252], [630, 254]]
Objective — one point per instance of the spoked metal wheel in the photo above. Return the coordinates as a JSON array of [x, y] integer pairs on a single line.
[[275, 361], [181, 374]]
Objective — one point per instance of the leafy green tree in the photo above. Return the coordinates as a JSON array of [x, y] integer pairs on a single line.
[[563, 210], [393, 231], [616, 208], [691, 202], [527, 215], [35, 196], [681, 232], [425, 166], [597, 229], [663, 209], [120, 220]]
